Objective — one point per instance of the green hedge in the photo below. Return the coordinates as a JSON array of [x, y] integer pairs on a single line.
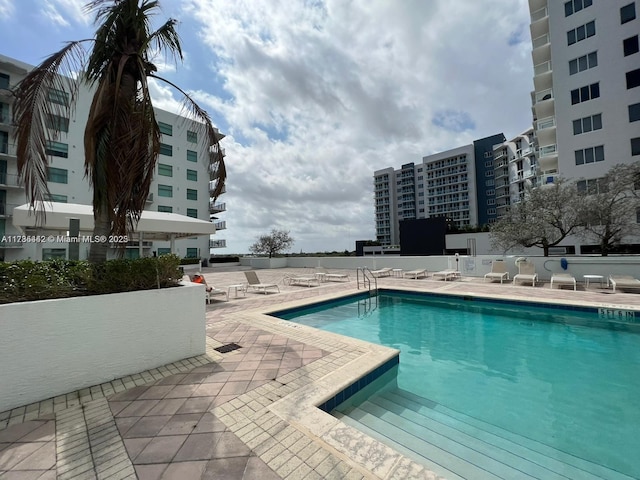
[[26, 280]]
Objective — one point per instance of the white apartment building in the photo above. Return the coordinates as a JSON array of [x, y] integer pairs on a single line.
[[514, 162], [452, 184], [586, 98], [181, 183]]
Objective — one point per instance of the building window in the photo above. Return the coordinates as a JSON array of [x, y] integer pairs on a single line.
[[166, 150], [583, 63], [633, 78], [591, 186], [630, 45], [589, 155], [52, 197], [57, 149], [4, 81], [192, 252], [491, 192], [192, 136], [192, 156], [635, 146], [488, 163], [628, 13], [58, 96], [489, 183], [165, 170], [165, 128], [634, 112], [491, 201], [583, 31], [586, 93], [165, 209], [165, 191], [192, 212], [57, 175], [488, 173], [587, 124], [56, 122], [192, 175], [192, 194], [573, 6], [53, 253], [164, 251]]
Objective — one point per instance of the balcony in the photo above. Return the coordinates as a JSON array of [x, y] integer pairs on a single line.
[[7, 149], [8, 180], [220, 225], [542, 68], [217, 244], [539, 23], [149, 198], [217, 207], [548, 151]]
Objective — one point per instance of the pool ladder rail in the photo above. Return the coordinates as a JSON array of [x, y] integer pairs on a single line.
[[367, 277]]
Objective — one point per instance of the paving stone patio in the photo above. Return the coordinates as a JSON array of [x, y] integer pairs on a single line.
[[231, 415]]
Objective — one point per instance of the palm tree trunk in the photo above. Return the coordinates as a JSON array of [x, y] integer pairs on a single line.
[[101, 230]]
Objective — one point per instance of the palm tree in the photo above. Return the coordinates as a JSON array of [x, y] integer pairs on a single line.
[[122, 137]]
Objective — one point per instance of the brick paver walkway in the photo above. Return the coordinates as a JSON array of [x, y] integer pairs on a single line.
[[215, 416]]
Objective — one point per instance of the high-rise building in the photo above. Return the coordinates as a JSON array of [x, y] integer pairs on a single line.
[[586, 98], [455, 184], [181, 183]]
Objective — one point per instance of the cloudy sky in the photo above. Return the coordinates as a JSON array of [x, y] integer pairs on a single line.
[[315, 95]]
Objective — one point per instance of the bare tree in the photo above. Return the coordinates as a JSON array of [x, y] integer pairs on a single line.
[[272, 244], [609, 206], [543, 218]]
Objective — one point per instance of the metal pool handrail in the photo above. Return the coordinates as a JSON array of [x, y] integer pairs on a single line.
[[366, 278]]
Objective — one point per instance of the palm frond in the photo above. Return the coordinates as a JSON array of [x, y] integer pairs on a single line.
[[166, 39], [31, 110], [204, 126]]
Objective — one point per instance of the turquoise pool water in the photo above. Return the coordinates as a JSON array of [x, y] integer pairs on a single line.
[[559, 382]]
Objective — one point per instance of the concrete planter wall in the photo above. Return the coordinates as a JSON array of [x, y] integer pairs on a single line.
[[52, 347]]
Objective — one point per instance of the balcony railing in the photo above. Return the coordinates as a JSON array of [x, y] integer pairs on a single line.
[[539, 14], [220, 225], [548, 151], [546, 123], [544, 95], [541, 41], [217, 208], [217, 243], [10, 180], [541, 68]]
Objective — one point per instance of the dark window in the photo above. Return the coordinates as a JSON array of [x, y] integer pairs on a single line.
[[633, 78], [587, 124], [166, 150], [599, 153], [571, 37], [58, 96], [579, 157], [594, 91], [192, 136], [4, 81], [589, 155], [583, 94], [574, 6], [634, 112], [57, 149], [165, 209], [575, 96], [56, 122], [635, 146], [583, 63], [628, 13], [597, 121], [57, 175], [165, 128], [630, 45]]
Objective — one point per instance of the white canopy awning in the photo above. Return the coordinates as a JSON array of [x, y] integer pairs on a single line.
[[152, 225]]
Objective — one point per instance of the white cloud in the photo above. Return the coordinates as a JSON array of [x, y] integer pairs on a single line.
[[6, 10], [65, 12], [321, 94]]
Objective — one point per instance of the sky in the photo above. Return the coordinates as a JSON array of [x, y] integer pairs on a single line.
[[315, 95]]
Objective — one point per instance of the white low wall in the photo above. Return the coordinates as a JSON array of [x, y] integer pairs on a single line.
[[472, 266], [52, 347]]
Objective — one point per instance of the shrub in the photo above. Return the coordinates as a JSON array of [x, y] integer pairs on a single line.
[[26, 280]]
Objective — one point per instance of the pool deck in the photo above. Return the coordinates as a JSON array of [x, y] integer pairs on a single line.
[[248, 413]]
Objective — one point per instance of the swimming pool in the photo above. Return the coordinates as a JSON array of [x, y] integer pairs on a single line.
[[488, 389]]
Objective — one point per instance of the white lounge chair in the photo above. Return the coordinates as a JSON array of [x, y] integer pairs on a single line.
[[526, 273], [333, 276], [208, 291], [561, 279], [383, 272], [498, 271], [623, 281], [254, 282], [415, 274], [304, 280], [446, 275]]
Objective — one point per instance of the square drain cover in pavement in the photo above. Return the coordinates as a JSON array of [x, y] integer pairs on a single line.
[[229, 347]]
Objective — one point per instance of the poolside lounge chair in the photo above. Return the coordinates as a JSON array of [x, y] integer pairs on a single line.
[[526, 273], [332, 276], [415, 274], [561, 279], [498, 270], [209, 291], [383, 272], [254, 282], [304, 280], [446, 275], [623, 281]]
